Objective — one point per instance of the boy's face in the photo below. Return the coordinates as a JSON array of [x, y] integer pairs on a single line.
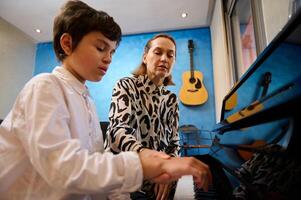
[[91, 58]]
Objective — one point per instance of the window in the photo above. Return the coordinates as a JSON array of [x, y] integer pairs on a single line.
[[251, 25], [242, 36]]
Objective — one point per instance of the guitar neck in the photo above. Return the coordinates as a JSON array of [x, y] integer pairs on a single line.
[[191, 62]]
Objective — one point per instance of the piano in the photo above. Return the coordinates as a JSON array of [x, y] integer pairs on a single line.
[[256, 150]]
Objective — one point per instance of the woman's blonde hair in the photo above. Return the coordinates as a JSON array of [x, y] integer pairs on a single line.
[[141, 69]]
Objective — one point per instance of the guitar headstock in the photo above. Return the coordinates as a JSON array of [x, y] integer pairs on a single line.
[[190, 45]]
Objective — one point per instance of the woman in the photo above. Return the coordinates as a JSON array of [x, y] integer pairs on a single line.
[[51, 145], [143, 113]]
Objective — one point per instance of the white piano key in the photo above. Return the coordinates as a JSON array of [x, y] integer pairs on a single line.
[[184, 189]]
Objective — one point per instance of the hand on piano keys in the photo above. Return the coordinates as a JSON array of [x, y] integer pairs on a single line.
[[186, 190], [160, 168], [176, 167]]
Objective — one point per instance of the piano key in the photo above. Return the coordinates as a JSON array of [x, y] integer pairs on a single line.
[[200, 194], [184, 189]]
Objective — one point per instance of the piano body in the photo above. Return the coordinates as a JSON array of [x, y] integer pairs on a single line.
[[256, 151]]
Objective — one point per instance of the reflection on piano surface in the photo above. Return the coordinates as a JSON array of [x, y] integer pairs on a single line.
[[263, 121]]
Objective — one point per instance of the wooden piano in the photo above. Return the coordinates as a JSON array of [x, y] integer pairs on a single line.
[[256, 151]]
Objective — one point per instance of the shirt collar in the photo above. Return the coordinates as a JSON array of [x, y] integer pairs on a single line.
[[150, 87], [78, 86]]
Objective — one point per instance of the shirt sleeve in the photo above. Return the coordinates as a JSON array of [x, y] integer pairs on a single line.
[[120, 135], [41, 124], [173, 147]]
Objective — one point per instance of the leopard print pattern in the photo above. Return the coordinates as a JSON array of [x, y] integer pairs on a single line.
[[142, 115]]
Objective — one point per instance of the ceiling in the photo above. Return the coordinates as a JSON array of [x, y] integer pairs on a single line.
[[134, 16]]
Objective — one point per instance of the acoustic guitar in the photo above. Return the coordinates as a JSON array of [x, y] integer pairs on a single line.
[[246, 150], [193, 91], [257, 105], [231, 102]]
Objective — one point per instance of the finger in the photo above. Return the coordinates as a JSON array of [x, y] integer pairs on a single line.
[[202, 181], [207, 170], [205, 175], [156, 188], [199, 182], [165, 192], [209, 174], [206, 179], [210, 177], [160, 192], [205, 184]]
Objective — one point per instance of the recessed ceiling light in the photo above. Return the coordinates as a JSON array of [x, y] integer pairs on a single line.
[[184, 15], [38, 30]]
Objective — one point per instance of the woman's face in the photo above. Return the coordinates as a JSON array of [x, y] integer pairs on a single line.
[[160, 58]]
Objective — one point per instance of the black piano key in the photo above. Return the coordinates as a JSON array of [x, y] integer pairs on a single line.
[[200, 194]]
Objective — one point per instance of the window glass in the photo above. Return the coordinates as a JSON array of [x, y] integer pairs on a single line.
[[244, 37]]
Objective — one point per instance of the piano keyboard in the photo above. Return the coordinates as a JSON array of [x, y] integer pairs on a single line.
[[184, 189], [187, 190], [200, 194]]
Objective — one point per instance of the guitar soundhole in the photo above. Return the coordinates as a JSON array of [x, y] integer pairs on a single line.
[[198, 85], [192, 80]]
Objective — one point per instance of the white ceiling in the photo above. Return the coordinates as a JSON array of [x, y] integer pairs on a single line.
[[134, 16]]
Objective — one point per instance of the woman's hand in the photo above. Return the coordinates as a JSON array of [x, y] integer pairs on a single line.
[[176, 167], [160, 168], [162, 191], [151, 162]]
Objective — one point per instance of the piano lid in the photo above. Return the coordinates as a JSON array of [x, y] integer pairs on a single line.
[[266, 101], [271, 85]]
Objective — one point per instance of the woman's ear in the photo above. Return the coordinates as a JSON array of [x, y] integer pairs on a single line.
[[66, 43], [144, 58]]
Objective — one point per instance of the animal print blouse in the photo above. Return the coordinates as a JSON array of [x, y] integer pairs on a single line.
[[143, 115]]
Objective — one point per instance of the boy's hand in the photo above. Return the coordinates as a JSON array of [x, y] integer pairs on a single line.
[[152, 164], [162, 191], [160, 168], [180, 166]]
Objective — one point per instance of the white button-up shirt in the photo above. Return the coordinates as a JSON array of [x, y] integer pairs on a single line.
[[51, 145]]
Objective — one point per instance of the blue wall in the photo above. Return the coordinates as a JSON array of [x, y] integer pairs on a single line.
[[127, 58]]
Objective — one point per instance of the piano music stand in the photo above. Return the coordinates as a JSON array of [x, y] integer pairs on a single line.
[[190, 139]]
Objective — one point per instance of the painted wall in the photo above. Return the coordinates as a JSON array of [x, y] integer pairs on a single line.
[[128, 57], [222, 73], [17, 55], [275, 15]]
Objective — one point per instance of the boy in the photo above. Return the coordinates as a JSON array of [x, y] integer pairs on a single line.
[[51, 144]]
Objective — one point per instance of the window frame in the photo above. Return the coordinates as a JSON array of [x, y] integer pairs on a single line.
[[235, 56]]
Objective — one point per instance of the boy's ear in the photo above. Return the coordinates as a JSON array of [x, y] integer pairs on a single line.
[[66, 43]]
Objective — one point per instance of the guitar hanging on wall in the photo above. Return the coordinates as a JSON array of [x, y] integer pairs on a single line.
[[193, 91]]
